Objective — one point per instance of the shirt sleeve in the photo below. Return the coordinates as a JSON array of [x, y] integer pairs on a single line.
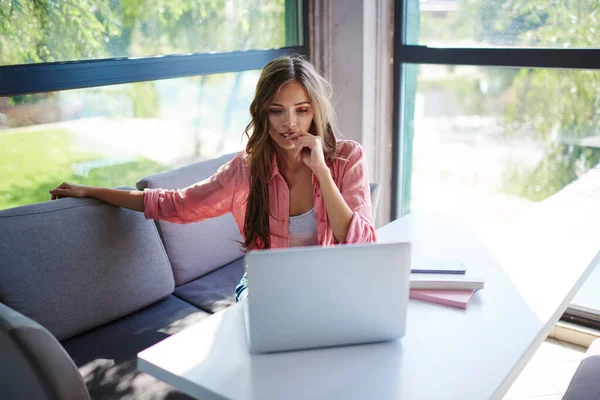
[[356, 192], [209, 198]]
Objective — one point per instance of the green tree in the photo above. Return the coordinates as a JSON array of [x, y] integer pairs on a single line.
[[562, 106], [34, 31], [559, 106], [38, 31]]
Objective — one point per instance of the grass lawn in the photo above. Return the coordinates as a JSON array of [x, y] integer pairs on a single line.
[[31, 163]]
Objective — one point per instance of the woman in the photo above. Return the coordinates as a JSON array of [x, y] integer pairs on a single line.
[[294, 185]]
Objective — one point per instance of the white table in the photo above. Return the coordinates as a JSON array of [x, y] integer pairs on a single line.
[[447, 353]]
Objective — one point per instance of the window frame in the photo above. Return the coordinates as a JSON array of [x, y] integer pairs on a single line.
[[522, 57], [47, 77]]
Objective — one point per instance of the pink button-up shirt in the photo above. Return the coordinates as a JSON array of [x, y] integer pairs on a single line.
[[227, 191]]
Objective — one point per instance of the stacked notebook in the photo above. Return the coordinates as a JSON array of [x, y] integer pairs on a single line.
[[443, 282]]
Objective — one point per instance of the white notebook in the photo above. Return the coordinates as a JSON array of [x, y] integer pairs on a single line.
[[445, 282]]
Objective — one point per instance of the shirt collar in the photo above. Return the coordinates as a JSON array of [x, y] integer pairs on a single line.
[[275, 171], [274, 168]]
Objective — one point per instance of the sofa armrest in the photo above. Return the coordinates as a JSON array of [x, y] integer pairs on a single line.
[[33, 364], [585, 384]]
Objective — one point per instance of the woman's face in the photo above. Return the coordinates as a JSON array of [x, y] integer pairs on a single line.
[[291, 111]]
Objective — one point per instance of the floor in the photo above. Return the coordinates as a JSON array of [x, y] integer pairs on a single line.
[[548, 373]]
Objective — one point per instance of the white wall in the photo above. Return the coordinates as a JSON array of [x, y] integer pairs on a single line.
[[351, 43]]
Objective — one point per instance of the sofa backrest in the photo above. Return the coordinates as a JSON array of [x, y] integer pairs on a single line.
[[74, 264], [198, 248], [375, 193]]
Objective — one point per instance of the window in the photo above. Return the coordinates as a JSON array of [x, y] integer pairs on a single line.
[[497, 107], [509, 23], [111, 111], [494, 141], [114, 135], [50, 31]]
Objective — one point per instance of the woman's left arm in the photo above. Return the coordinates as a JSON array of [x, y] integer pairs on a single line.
[[339, 213], [349, 206]]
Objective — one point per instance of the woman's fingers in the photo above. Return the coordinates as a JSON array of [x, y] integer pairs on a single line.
[[304, 140], [55, 192], [60, 193], [298, 134], [67, 189], [301, 144], [308, 141], [294, 135]]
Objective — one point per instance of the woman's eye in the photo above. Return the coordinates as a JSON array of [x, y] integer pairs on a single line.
[[303, 110], [274, 111]]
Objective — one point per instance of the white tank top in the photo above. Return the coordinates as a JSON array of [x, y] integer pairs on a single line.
[[303, 229]]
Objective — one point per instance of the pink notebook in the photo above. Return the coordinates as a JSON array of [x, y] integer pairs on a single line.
[[452, 298]]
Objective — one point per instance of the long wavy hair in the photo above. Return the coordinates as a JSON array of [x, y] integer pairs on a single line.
[[261, 149]]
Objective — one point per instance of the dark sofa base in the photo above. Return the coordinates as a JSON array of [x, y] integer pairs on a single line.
[[107, 356], [215, 291], [584, 385]]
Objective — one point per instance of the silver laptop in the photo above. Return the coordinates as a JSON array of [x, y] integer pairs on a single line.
[[311, 297]]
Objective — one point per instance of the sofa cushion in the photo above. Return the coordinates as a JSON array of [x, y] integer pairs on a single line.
[[198, 248], [585, 385], [33, 364], [215, 291], [74, 264], [375, 193], [107, 356]]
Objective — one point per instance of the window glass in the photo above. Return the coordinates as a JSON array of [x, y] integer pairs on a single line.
[[114, 135], [504, 23], [50, 31], [489, 143]]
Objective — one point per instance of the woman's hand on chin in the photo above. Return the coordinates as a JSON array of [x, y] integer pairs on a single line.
[[309, 149]]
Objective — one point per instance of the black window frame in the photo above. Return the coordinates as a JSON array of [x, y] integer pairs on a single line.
[[47, 77], [523, 57]]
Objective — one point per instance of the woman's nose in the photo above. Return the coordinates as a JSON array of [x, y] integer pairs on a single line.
[[290, 120]]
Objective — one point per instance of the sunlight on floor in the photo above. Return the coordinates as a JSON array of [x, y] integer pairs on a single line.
[[548, 373]]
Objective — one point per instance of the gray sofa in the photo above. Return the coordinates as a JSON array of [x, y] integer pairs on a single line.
[[584, 384], [85, 286]]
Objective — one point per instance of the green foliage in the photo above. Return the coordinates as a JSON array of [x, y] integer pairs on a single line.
[[455, 26], [558, 106], [33, 31], [51, 157], [144, 98], [467, 90], [560, 165], [504, 24], [36, 31]]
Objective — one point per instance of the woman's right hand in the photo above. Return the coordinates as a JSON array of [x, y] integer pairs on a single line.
[[67, 189]]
